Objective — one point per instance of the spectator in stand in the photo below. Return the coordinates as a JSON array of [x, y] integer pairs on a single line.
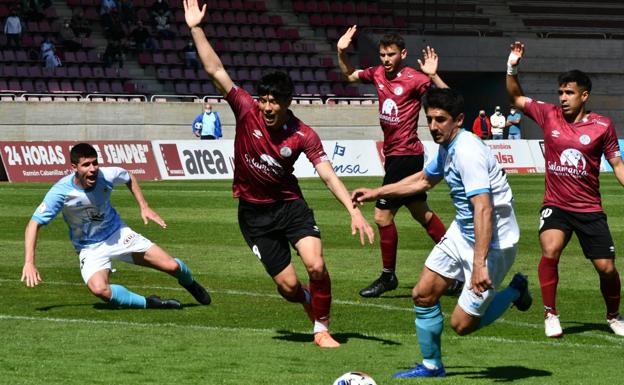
[[107, 6], [142, 38], [13, 30], [190, 56], [160, 8], [79, 24], [163, 28], [68, 37], [113, 53], [481, 126], [48, 54], [113, 27], [513, 124], [127, 14], [207, 125], [498, 122]]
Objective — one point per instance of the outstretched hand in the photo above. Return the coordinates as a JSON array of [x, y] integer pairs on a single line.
[[30, 275], [192, 13], [363, 194], [150, 215], [429, 64], [359, 224], [345, 40], [517, 50]]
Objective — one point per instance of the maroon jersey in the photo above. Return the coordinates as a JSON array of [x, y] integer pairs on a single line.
[[264, 158], [572, 152], [399, 105]]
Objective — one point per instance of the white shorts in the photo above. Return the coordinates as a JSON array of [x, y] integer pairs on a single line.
[[452, 258], [119, 245]]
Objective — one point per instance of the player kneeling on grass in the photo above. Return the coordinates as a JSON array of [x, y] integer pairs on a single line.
[[99, 235], [480, 245]]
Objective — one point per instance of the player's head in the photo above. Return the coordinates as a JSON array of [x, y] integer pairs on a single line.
[[444, 110], [392, 52], [275, 92], [574, 89], [84, 160], [207, 108]]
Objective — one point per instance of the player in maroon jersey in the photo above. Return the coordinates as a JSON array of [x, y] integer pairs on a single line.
[[400, 89], [574, 141], [272, 213]]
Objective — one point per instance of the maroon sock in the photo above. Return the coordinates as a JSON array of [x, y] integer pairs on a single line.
[[549, 278], [610, 288], [435, 228], [321, 297], [388, 240], [299, 296]]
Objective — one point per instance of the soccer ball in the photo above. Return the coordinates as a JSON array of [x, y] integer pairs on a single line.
[[355, 378]]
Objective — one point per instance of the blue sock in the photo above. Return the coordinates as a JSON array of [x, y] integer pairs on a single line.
[[184, 275], [123, 297], [498, 306], [429, 326]]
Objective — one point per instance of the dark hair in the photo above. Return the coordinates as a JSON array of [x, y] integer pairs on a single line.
[[276, 83], [392, 38], [82, 150], [445, 99], [576, 76]]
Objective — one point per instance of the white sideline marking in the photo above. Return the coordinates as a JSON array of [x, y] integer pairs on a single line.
[[611, 338], [560, 343]]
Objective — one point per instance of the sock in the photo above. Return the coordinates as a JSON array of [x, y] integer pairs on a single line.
[[610, 289], [549, 278], [301, 295], [501, 302], [388, 240], [185, 277], [435, 228], [320, 326], [123, 297], [429, 326], [320, 289]]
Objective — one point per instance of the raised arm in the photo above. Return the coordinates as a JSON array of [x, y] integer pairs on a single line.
[[30, 274], [429, 66], [345, 67], [209, 58], [146, 212], [410, 185], [335, 185], [516, 95]]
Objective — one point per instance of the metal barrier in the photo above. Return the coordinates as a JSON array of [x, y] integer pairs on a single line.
[[178, 98], [52, 96], [116, 98], [351, 100]]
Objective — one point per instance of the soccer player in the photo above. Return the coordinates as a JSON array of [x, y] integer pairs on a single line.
[[100, 236], [574, 141], [272, 213], [480, 245], [400, 89]]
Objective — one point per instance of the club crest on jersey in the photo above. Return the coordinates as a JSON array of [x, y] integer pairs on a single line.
[[398, 91], [257, 134], [285, 151], [555, 134], [585, 139], [42, 208]]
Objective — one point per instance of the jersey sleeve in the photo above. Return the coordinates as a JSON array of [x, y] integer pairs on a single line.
[[52, 205], [472, 164], [115, 175], [537, 111], [611, 147], [240, 101], [313, 148], [422, 84], [367, 75], [435, 168]]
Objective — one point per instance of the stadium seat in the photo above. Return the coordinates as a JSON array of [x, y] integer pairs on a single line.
[[181, 88]]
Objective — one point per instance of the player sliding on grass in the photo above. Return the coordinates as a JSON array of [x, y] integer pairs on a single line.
[[99, 235], [479, 247], [272, 213], [574, 141]]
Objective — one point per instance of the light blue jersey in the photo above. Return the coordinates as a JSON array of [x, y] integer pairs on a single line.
[[88, 213], [469, 168]]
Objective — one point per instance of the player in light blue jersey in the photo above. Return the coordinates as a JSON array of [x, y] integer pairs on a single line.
[[480, 245], [99, 235]]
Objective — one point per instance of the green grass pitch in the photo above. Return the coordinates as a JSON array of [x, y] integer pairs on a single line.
[[58, 333]]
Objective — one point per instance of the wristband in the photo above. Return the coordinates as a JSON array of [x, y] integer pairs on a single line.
[[512, 70]]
